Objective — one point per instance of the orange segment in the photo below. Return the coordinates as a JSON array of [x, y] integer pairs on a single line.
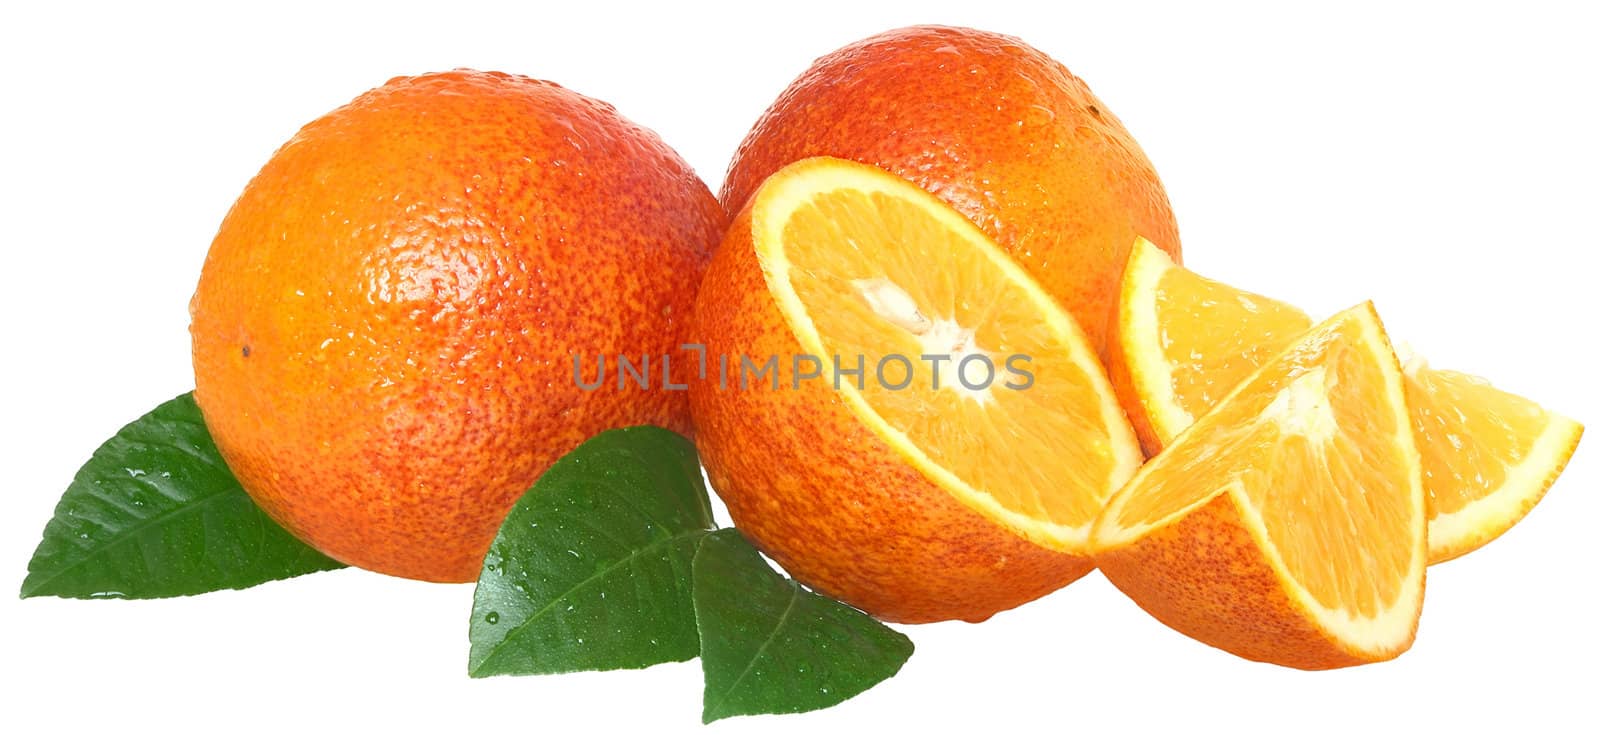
[[1488, 456], [1182, 341], [1288, 523], [1004, 401]]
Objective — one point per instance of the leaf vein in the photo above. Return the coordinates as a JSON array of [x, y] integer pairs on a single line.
[[523, 626], [126, 534], [794, 599]]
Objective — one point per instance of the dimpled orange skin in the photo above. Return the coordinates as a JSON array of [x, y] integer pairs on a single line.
[[823, 495], [1000, 131], [1205, 577], [385, 325]]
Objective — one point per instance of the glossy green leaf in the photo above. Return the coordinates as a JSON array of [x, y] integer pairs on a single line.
[[591, 569], [768, 645], [156, 513]]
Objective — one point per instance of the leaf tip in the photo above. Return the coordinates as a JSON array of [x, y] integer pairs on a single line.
[[32, 587], [477, 663], [708, 716]]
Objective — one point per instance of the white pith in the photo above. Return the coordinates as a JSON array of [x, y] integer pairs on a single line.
[[937, 337]]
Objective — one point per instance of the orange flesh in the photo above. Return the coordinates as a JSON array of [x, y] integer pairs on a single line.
[[1313, 443], [1215, 335], [1032, 450], [1465, 453], [1469, 434]]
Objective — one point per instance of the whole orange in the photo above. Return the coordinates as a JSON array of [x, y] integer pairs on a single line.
[[1000, 131], [386, 323]]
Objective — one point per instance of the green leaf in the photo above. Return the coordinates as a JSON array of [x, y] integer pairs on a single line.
[[591, 568], [156, 513], [767, 645]]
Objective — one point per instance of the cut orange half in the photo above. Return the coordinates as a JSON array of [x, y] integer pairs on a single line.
[[959, 436], [1182, 341], [1287, 524]]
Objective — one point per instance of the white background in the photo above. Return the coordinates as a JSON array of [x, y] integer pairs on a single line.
[[1440, 161]]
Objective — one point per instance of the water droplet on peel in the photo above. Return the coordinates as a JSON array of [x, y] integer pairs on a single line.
[[492, 618]]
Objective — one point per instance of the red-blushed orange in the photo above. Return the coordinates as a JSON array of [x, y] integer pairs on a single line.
[[997, 129], [385, 325]]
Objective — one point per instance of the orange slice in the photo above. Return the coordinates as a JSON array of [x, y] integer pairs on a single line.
[[1488, 456], [1182, 341], [914, 494], [1287, 524]]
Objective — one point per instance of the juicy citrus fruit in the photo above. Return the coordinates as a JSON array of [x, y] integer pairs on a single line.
[[1288, 523], [385, 326], [1183, 341], [912, 499], [1180, 342], [994, 127], [1488, 456]]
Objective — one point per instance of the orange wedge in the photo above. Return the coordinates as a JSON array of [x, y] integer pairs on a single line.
[[1182, 341], [913, 498], [1287, 524], [1488, 456]]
